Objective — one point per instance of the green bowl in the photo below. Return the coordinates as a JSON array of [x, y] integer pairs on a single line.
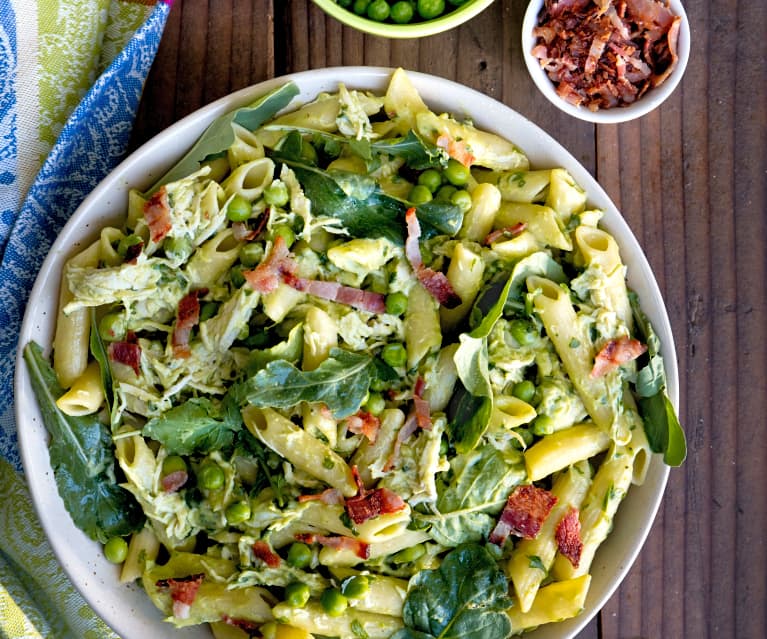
[[413, 30]]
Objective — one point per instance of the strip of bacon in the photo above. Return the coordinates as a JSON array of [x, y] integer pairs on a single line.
[[157, 215], [339, 542], [127, 353], [187, 317], [420, 405], [506, 231], [524, 513], [183, 591], [266, 277], [568, 536], [264, 552], [364, 423], [173, 481], [435, 282], [330, 496], [615, 353], [456, 149], [355, 297]]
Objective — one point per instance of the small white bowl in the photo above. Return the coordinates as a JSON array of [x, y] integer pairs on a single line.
[[650, 100]]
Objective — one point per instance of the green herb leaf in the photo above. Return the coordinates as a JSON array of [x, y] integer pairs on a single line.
[[417, 153], [341, 382], [664, 432], [219, 136], [82, 461], [466, 598], [469, 416], [535, 562], [99, 352], [197, 425], [249, 446]]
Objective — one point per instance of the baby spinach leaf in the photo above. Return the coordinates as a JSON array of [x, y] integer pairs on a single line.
[[82, 460], [481, 482], [219, 135], [417, 153], [341, 382], [465, 598], [197, 425]]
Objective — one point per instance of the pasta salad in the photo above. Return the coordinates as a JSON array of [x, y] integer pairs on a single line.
[[353, 370]]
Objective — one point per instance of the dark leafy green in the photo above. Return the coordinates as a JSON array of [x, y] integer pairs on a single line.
[[465, 598], [271, 474], [198, 425], [341, 382], [82, 460], [479, 485], [469, 416], [99, 352], [219, 136], [289, 350]]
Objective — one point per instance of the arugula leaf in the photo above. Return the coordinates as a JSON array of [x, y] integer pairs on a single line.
[[481, 483], [219, 136], [270, 474], [465, 598], [82, 460], [99, 352], [197, 425], [664, 432], [341, 382], [417, 153]]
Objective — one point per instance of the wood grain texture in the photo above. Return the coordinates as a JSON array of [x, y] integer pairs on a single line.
[[690, 178]]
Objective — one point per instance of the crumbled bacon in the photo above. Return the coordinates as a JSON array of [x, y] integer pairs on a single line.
[[330, 496], [133, 251], [187, 317], [359, 548], [506, 231], [367, 504], [264, 552], [183, 591], [524, 513], [127, 353], [616, 352], [173, 481], [420, 405], [456, 149], [249, 627], [157, 215], [433, 281], [606, 53], [364, 423], [568, 536], [266, 277]]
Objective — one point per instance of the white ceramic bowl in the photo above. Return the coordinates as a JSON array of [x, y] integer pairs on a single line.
[[649, 101], [125, 607]]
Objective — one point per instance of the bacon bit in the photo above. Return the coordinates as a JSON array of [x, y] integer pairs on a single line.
[[456, 149], [506, 231], [127, 353], [524, 513], [266, 277], [364, 423], [340, 542], [433, 281], [187, 317], [243, 624], [606, 53], [330, 496], [183, 591], [615, 353], [264, 552], [173, 481], [133, 251], [157, 215], [568, 536], [421, 406], [242, 232], [378, 501]]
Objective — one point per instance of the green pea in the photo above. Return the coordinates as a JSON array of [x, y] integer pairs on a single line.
[[276, 194], [333, 602], [116, 550], [526, 435], [445, 193], [178, 247], [113, 327], [308, 153], [396, 303], [238, 209], [208, 310], [297, 594], [408, 555], [431, 179], [237, 512], [402, 12], [236, 277], [429, 9], [299, 555], [126, 242], [355, 587], [394, 355], [210, 476], [378, 10], [461, 199], [378, 385], [375, 404], [524, 390], [542, 425], [285, 232], [522, 331], [173, 464], [251, 253], [455, 172], [360, 7], [419, 194]]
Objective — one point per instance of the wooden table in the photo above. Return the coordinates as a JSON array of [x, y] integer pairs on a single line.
[[690, 180]]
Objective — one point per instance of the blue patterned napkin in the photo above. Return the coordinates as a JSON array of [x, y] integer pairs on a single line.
[[71, 76]]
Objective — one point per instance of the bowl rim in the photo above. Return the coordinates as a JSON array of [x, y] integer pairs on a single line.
[[652, 99], [92, 575], [445, 22]]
